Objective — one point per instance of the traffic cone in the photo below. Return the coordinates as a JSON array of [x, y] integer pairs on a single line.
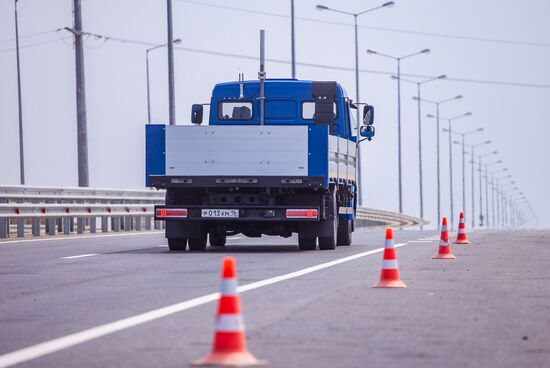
[[229, 345], [389, 276], [461, 237], [444, 245]]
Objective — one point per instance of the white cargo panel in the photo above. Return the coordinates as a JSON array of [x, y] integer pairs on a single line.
[[237, 150]]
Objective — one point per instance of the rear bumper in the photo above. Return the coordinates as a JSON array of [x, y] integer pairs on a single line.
[[248, 213], [165, 182]]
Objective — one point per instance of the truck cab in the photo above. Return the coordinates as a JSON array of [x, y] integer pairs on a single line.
[[274, 159]]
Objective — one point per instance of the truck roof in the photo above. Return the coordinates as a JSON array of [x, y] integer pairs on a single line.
[[274, 88]]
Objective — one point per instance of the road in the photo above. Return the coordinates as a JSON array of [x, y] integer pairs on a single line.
[[488, 308]]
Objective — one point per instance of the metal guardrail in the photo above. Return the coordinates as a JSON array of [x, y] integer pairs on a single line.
[[52, 210], [369, 217]]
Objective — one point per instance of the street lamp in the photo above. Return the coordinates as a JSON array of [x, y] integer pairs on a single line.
[[487, 191], [472, 149], [481, 217], [176, 41], [358, 122], [494, 198], [418, 84], [19, 102], [463, 143], [449, 121], [398, 59], [437, 103]]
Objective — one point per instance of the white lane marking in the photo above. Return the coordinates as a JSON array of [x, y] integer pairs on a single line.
[[88, 236], [421, 241], [80, 256], [64, 342], [236, 237]]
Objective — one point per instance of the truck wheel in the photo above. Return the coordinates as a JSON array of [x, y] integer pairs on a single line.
[[198, 243], [217, 240], [177, 244], [329, 242], [344, 233], [307, 243]]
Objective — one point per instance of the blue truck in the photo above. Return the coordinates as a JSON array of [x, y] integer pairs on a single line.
[[277, 157]]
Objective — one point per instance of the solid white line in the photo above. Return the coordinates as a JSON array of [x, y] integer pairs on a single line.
[[61, 343], [80, 256], [421, 241], [85, 236]]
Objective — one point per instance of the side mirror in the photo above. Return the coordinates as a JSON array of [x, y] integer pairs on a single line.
[[367, 131], [196, 114], [368, 115]]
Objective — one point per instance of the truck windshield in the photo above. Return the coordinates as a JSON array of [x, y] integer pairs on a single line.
[[235, 110], [308, 110]]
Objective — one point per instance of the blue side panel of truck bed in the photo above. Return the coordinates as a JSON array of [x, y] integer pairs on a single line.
[[318, 151], [155, 155]]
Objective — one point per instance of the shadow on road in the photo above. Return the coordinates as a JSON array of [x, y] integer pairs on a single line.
[[228, 249]]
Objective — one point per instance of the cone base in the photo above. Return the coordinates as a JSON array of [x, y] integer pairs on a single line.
[[464, 241], [390, 284], [236, 359], [444, 256]]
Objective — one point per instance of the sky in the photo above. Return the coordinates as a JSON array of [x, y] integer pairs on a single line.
[[495, 53]]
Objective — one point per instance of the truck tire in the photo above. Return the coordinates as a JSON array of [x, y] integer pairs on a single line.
[[307, 243], [329, 242], [197, 244], [177, 244], [217, 240], [344, 233]]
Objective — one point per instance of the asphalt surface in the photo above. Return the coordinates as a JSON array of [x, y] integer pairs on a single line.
[[488, 308]]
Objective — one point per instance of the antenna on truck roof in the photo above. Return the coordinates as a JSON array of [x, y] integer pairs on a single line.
[[241, 86], [261, 76]]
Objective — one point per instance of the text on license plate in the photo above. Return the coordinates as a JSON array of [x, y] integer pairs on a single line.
[[220, 213]]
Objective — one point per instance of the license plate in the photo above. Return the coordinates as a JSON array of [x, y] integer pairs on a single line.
[[217, 213]]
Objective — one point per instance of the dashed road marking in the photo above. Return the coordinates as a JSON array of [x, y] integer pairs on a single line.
[[81, 256], [64, 342]]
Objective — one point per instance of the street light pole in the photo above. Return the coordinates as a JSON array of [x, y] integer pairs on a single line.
[[21, 150], [170, 44], [358, 122], [418, 84], [451, 161], [481, 217], [437, 103], [487, 192], [292, 40], [176, 41], [463, 143], [398, 59]]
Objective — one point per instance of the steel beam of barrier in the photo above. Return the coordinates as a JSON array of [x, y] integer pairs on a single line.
[[48, 210], [56, 209]]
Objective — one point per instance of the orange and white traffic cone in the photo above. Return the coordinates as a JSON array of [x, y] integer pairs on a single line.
[[229, 346], [444, 245], [461, 237], [389, 276]]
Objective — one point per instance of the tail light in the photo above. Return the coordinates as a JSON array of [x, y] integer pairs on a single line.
[[171, 213], [302, 213]]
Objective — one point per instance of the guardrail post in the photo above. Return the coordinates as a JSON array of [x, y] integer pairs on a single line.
[[127, 223], [148, 222], [157, 225], [50, 226], [138, 223], [80, 225], [93, 225], [36, 226], [116, 223], [21, 228], [104, 224], [4, 228], [66, 225]]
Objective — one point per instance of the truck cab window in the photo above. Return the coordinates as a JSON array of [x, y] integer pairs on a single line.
[[235, 110], [308, 109]]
